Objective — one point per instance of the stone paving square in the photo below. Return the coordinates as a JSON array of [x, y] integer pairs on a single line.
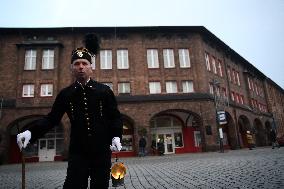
[[239, 169]]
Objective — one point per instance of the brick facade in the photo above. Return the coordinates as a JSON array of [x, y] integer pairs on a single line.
[[197, 110]]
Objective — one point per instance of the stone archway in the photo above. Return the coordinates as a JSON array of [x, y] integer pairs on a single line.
[[268, 127], [244, 126], [178, 130], [230, 133], [260, 139], [53, 140], [128, 139]]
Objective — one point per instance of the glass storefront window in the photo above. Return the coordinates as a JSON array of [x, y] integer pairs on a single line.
[[127, 143], [197, 138], [178, 140]]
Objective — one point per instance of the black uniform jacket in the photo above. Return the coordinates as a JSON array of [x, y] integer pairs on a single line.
[[93, 113]]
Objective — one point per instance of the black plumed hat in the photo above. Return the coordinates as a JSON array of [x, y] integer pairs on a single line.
[[91, 49]]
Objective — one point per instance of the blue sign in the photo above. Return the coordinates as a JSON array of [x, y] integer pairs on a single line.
[[222, 117]]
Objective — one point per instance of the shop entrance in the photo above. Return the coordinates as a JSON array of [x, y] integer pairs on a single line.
[[169, 143]]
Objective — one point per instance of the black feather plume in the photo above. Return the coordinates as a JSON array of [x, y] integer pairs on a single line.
[[92, 43]]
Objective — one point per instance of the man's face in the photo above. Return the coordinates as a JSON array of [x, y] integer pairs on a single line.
[[82, 70]]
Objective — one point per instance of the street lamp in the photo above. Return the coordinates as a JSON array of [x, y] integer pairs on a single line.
[[216, 83]]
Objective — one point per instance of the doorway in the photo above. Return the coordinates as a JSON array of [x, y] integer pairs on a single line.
[[169, 143], [46, 149]]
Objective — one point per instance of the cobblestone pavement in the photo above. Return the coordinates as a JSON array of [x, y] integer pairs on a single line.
[[258, 168]]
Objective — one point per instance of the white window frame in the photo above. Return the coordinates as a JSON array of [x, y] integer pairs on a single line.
[[123, 88], [152, 58], [154, 87], [184, 59], [207, 61], [211, 88], [93, 63], [214, 65], [30, 59], [122, 59], [46, 90], [106, 59], [187, 87], [28, 90], [169, 60], [220, 68], [238, 78], [47, 59], [197, 138], [171, 87], [229, 73], [249, 83]]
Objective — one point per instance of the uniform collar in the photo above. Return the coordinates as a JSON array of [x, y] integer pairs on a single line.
[[89, 84]]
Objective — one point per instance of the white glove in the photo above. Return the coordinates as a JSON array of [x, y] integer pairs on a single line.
[[116, 145], [23, 139]]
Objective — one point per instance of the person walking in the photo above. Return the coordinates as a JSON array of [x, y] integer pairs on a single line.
[[142, 145], [273, 138], [96, 123]]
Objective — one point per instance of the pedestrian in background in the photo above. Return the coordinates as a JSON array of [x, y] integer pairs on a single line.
[[249, 139], [96, 124], [273, 138], [142, 146]]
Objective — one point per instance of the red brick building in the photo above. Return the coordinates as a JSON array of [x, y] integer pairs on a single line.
[[170, 84]]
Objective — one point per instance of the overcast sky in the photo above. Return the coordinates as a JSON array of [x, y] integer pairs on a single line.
[[253, 28]]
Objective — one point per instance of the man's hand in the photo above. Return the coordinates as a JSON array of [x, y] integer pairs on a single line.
[[116, 145], [23, 139]]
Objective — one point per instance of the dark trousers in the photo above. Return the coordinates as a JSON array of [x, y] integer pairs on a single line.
[[81, 168]]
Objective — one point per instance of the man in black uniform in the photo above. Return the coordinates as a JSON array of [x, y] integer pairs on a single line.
[[96, 124]]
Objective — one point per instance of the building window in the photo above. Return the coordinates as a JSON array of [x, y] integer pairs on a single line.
[[214, 65], [46, 90], [220, 68], [211, 88], [197, 138], [229, 74], [122, 59], [237, 98], [168, 55], [184, 59], [28, 90], [256, 88], [155, 87], [109, 84], [249, 83], [178, 140], [124, 88], [224, 91], [238, 78], [233, 96], [187, 87], [242, 99], [152, 58], [47, 59], [30, 60], [234, 76], [106, 59], [93, 63], [207, 61], [171, 87]]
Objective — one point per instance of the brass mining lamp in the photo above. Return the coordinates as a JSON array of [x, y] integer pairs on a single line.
[[118, 171]]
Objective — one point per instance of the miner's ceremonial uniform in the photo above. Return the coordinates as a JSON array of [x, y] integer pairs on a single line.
[[95, 120]]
